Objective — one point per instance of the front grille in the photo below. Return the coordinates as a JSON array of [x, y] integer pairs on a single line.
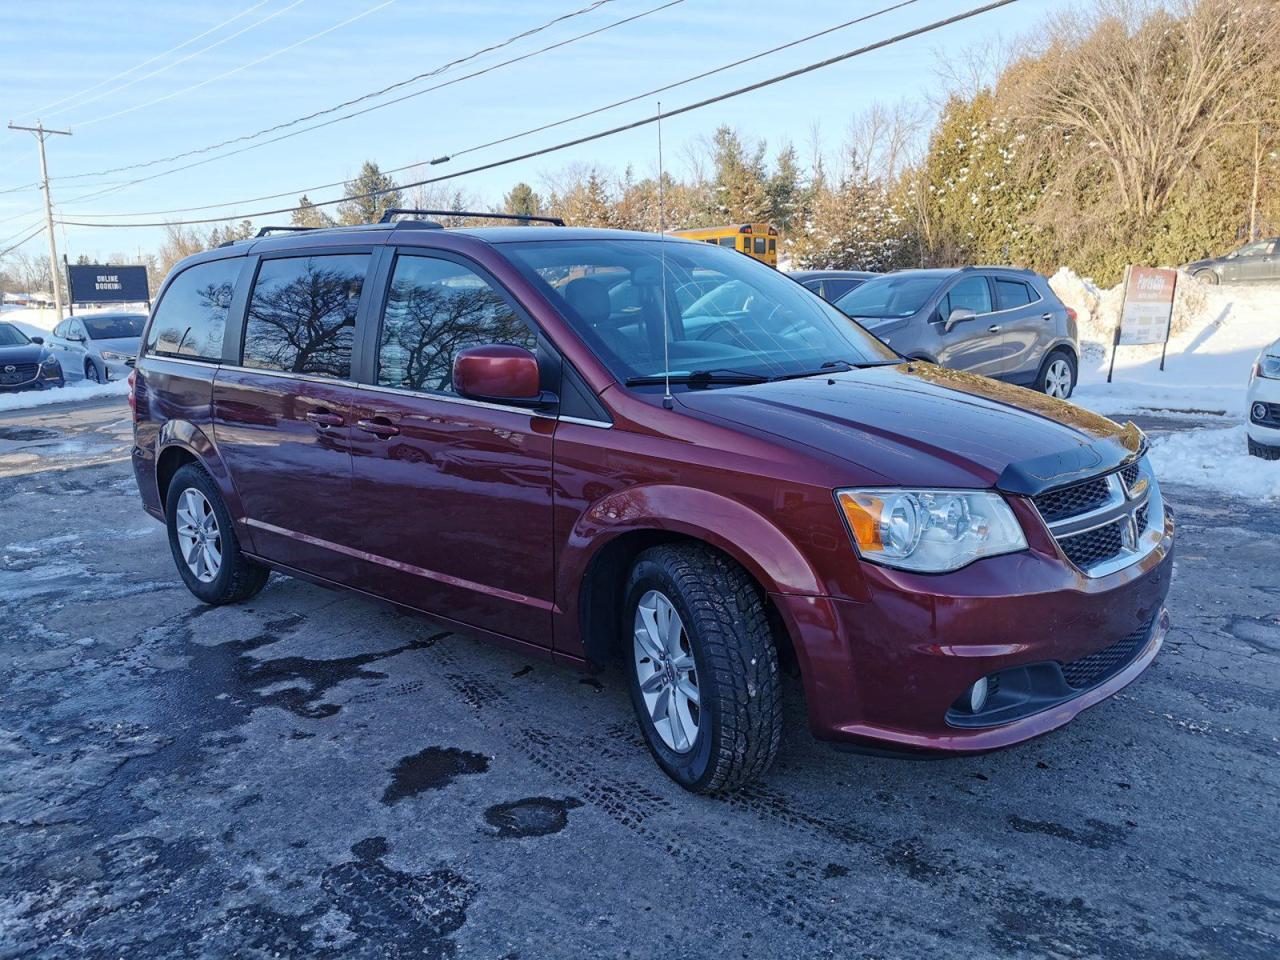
[[1140, 518], [1069, 501], [1096, 667], [22, 373], [1130, 475], [1087, 549]]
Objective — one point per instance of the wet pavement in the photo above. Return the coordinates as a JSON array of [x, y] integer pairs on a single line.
[[312, 775]]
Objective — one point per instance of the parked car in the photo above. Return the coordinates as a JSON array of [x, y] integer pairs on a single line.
[[437, 419], [98, 346], [25, 362], [1264, 404], [1258, 260], [831, 285], [995, 321]]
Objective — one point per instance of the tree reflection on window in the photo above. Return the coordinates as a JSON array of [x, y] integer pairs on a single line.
[[435, 309], [303, 313]]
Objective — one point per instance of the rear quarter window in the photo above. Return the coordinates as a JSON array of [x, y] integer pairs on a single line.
[[192, 316]]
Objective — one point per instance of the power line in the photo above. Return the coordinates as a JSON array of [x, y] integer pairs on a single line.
[[539, 129], [38, 227], [158, 56], [253, 146], [8, 250], [244, 66], [599, 135], [436, 71], [181, 60]]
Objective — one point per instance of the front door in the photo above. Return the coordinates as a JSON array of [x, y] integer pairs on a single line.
[[977, 344], [282, 417], [453, 497]]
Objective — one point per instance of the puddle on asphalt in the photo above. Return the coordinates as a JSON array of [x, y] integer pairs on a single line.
[[432, 769], [530, 817], [27, 434]]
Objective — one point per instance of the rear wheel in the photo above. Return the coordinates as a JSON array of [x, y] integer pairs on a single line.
[[203, 543], [1057, 375], [1207, 276], [1263, 450], [703, 667]]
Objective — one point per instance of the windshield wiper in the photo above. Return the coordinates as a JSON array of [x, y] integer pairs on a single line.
[[698, 378]]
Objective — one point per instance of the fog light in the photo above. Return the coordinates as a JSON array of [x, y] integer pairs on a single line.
[[1259, 411], [977, 696]]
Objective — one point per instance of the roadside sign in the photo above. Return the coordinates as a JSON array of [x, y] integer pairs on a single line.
[[107, 283], [1146, 313]]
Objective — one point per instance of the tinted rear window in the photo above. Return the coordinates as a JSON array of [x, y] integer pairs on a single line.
[[1013, 293], [303, 314], [191, 319]]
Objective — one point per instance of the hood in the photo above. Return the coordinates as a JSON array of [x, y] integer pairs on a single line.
[[27, 353], [127, 345], [922, 425]]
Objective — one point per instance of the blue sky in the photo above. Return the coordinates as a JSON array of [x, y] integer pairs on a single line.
[[57, 48]]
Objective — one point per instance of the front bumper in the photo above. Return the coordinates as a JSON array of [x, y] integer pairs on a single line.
[[1265, 429], [886, 673], [41, 382]]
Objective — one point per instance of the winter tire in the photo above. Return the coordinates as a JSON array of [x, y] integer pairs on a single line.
[[1262, 450], [91, 372], [703, 667], [1057, 376]]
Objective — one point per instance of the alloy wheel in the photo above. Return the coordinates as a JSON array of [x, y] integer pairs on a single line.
[[666, 671], [198, 535], [1057, 379]]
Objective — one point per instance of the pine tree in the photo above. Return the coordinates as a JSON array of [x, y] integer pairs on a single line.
[[522, 201], [369, 195], [309, 215], [738, 193], [784, 190]]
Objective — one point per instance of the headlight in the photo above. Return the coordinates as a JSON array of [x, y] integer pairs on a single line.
[[114, 357], [930, 531], [1268, 367]]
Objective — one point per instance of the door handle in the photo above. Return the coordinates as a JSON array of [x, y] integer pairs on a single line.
[[1046, 316], [324, 418], [994, 328], [380, 427]]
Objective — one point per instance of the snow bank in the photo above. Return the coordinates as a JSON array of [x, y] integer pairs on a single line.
[[68, 394], [1217, 460], [1218, 331]]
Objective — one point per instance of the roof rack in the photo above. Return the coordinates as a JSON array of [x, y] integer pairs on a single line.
[[267, 231], [389, 215]]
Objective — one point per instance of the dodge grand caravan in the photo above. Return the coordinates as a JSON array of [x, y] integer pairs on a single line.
[[470, 423]]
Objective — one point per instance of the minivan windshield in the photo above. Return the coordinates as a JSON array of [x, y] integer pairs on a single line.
[[729, 318], [889, 297], [11, 336], [113, 328]]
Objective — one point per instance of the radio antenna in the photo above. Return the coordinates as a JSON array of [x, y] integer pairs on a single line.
[[667, 400]]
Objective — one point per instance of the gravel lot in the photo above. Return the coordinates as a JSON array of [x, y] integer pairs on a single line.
[[310, 774]]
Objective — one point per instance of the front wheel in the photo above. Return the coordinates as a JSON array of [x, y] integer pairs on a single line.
[[703, 667], [91, 372], [1263, 450], [1208, 276], [203, 543], [1058, 375]]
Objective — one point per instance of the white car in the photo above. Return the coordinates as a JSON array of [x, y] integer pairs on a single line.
[[1264, 404], [97, 346]]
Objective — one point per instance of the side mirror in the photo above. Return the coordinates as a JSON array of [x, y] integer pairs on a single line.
[[958, 315], [500, 372], [39, 341]]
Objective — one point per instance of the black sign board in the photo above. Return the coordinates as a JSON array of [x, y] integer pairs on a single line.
[[103, 283]]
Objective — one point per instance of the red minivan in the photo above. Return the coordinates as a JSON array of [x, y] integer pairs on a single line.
[[595, 444]]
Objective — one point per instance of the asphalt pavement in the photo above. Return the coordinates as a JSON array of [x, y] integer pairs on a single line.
[[312, 775]]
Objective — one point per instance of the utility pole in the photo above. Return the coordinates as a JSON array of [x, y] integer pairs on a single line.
[[41, 135]]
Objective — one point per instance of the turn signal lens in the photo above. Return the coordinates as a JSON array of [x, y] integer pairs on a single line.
[[930, 531]]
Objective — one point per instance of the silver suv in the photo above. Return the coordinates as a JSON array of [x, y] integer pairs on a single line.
[[996, 321]]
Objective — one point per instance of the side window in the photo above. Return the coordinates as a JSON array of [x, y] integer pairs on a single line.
[[725, 241], [838, 288], [302, 316], [436, 308], [1013, 293], [971, 292], [60, 330], [191, 318]]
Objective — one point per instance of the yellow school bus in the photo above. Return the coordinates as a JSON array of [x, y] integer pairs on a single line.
[[759, 240]]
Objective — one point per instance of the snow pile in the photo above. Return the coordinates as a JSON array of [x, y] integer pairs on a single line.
[[72, 392], [1218, 332], [1218, 460]]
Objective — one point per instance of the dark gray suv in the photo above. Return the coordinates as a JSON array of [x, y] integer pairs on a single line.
[[996, 321]]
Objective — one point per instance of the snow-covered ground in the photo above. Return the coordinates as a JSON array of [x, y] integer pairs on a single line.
[[38, 323], [1218, 332]]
